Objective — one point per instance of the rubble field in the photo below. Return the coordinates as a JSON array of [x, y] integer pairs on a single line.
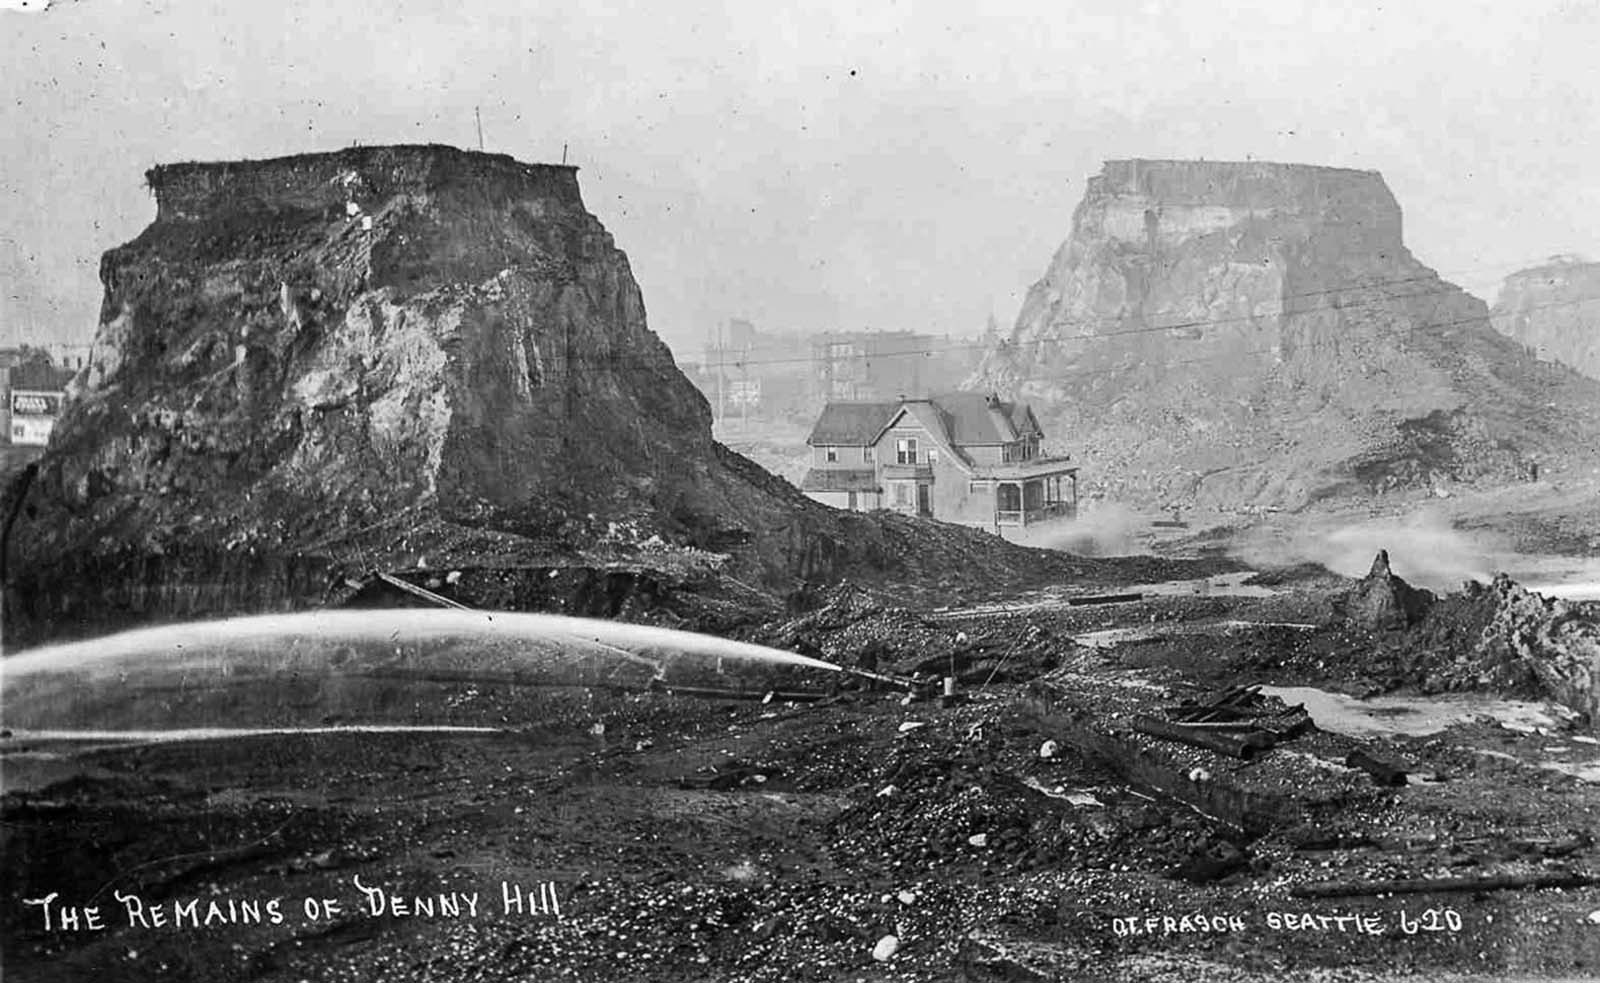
[[1117, 789]]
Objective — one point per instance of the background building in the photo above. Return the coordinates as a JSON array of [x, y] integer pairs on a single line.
[[786, 375], [33, 385], [967, 458]]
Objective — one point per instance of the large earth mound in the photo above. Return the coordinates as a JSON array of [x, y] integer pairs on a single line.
[[1256, 335], [1554, 310]]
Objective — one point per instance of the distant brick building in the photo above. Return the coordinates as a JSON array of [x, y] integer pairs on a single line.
[[966, 458], [884, 365], [33, 389], [776, 374]]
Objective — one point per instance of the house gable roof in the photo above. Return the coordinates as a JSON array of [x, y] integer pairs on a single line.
[[40, 376], [1023, 419], [954, 421], [934, 420], [851, 424], [975, 418]]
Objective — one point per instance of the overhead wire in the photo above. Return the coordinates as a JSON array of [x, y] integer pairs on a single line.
[[619, 360]]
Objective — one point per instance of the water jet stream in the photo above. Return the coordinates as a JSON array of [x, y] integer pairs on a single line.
[[398, 666]]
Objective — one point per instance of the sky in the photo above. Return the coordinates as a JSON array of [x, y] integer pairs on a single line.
[[889, 166]]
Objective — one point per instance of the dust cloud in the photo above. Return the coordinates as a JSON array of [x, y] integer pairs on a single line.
[[1424, 548], [1100, 530]]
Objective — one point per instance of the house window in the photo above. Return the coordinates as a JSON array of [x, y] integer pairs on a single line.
[[933, 455], [1023, 450], [832, 454], [866, 455], [905, 450]]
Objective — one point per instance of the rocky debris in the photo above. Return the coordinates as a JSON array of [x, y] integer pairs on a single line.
[[984, 807], [1554, 310], [855, 627], [1251, 335], [1382, 601], [1493, 638], [663, 877], [1522, 644]]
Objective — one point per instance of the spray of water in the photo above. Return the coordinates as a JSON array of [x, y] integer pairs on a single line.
[[396, 667], [198, 641]]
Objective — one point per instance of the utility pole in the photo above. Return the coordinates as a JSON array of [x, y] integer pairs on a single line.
[[721, 360], [478, 113], [563, 154], [744, 397]]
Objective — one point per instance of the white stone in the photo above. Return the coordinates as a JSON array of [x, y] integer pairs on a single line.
[[886, 948]]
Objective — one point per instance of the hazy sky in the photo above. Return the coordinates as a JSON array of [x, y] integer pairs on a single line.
[[907, 166]]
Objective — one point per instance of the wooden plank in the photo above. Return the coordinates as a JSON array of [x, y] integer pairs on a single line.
[[422, 592], [1088, 599]]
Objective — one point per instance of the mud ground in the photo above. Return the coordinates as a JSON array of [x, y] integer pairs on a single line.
[[696, 839]]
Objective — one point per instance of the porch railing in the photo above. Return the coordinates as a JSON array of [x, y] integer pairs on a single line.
[[1023, 517]]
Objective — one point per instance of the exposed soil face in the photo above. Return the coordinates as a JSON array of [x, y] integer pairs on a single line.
[[1252, 335], [694, 839], [1552, 310]]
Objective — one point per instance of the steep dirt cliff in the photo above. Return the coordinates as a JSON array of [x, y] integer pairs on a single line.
[[1554, 310], [1249, 335], [315, 367]]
